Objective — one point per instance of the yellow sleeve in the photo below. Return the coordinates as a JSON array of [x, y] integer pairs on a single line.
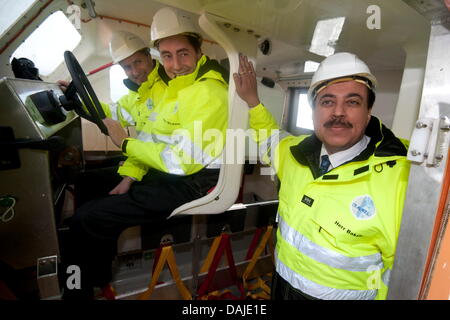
[[269, 137]]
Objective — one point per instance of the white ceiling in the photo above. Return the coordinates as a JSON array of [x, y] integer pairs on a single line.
[[290, 25]]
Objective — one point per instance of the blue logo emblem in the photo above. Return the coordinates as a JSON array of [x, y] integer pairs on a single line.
[[363, 208], [149, 104]]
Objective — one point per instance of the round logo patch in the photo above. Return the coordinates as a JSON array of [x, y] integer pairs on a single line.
[[363, 208], [149, 104]]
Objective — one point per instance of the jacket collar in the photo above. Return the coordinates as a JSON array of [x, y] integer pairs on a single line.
[[383, 143], [213, 65], [133, 86], [188, 79]]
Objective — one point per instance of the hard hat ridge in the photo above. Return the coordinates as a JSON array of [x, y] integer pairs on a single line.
[[169, 21], [123, 44]]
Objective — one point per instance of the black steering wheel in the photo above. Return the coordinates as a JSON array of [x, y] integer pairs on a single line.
[[81, 85]]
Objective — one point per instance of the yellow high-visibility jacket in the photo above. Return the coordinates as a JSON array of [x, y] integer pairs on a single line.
[[136, 107], [186, 130], [337, 233], [139, 106]]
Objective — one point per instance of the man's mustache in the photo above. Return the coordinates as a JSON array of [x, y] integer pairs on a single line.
[[337, 122]]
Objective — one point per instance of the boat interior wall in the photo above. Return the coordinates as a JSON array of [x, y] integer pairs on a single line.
[[273, 99], [416, 242], [387, 95], [410, 93], [433, 10]]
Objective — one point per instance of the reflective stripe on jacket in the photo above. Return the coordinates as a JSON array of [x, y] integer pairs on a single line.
[[137, 108], [188, 131], [337, 233]]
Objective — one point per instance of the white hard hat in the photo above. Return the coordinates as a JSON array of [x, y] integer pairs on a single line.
[[169, 22], [123, 44], [340, 66]]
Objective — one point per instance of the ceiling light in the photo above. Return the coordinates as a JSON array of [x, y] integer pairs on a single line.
[[311, 66], [326, 35]]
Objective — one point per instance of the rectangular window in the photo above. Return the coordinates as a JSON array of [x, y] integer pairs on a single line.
[[116, 86], [300, 112], [46, 45], [304, 113]]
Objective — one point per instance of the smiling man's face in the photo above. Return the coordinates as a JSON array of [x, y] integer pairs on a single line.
[[341, 115], [178, 56], [137, 67]]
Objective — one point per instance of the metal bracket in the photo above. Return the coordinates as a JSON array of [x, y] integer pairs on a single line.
[[89, 5], [429, 141], [441, 146], [438, 143]]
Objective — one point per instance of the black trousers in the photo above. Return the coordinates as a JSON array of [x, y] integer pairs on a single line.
[[96, 225], [282, 290]]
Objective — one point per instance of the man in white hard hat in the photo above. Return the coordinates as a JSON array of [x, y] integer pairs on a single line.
[[342, 187], [175, 160], [146, 88], [132, 54]]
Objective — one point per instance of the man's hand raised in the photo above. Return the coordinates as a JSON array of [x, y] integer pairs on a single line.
[[245, 80]]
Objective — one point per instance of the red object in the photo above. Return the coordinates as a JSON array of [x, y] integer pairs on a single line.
[[99, 69], [254, 244], [108, 292], [156, 260], [225, 245]]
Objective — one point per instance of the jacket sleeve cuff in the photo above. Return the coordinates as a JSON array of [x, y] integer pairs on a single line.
[[124, 146], [133, 173], [256, 109]]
